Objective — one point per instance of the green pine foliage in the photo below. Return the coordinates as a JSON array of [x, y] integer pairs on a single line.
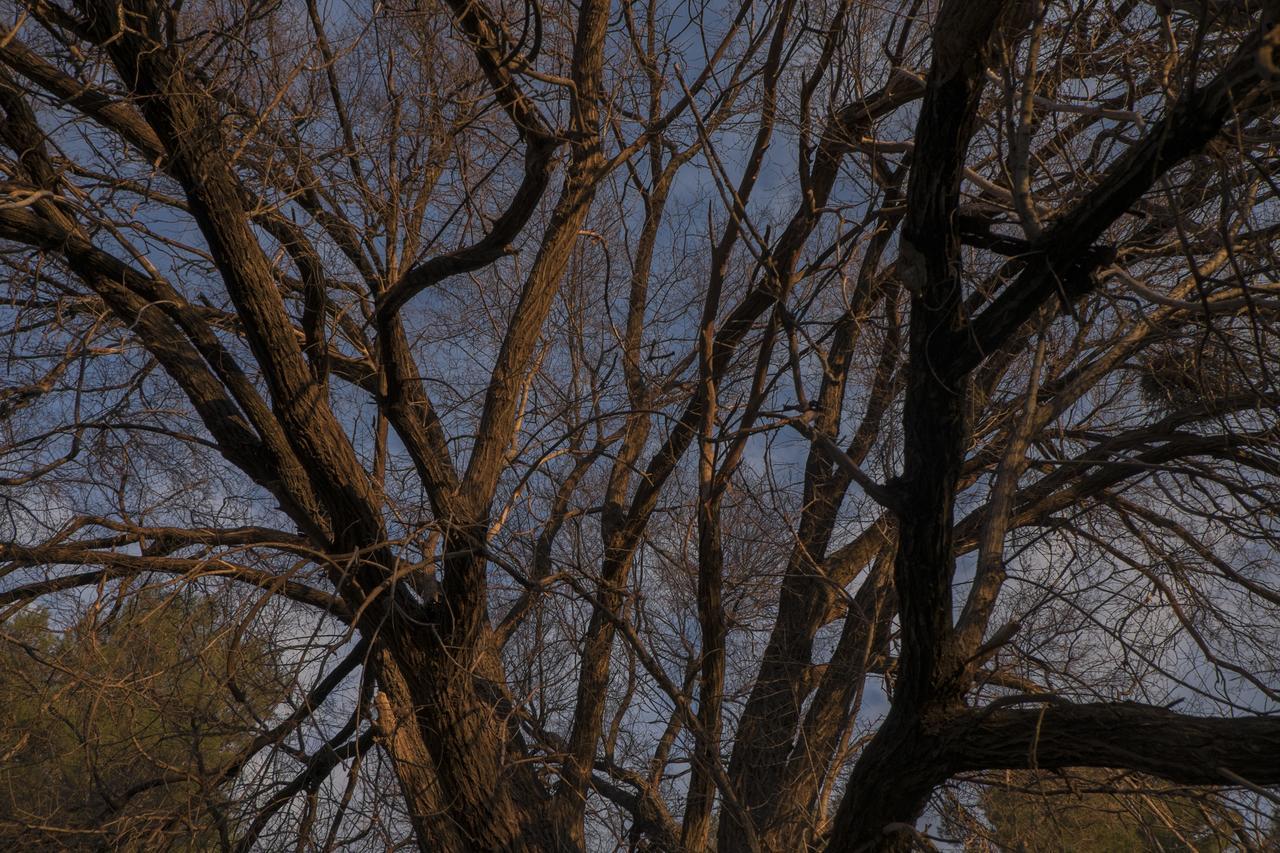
[[116, 732], [1095, 811]]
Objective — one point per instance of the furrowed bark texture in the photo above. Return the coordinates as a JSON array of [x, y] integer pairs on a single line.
[[585, 429]]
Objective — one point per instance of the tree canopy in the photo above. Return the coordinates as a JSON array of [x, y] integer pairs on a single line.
[[729, 425]]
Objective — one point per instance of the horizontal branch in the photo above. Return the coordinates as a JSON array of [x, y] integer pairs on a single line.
[[1179, 747], [115, 566]]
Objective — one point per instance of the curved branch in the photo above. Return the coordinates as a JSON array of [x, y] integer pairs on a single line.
[[116, 566]]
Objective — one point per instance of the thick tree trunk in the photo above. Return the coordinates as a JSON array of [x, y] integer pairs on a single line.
[[450, 745], [890, 787], [402, 739]]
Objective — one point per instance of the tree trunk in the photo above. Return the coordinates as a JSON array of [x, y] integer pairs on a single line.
[[889, 787], [450, 745]]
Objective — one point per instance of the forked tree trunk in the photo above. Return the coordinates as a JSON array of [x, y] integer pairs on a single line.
[[449, 746], [402, 739]]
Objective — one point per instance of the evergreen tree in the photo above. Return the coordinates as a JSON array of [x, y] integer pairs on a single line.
[[116, 731]]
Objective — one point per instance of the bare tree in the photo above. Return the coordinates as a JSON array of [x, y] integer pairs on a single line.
[[688, 427]]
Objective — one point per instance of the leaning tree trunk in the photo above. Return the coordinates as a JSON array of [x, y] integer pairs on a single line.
[[450, 744]]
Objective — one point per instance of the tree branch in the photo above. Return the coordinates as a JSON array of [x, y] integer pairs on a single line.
[[1149, 739]]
